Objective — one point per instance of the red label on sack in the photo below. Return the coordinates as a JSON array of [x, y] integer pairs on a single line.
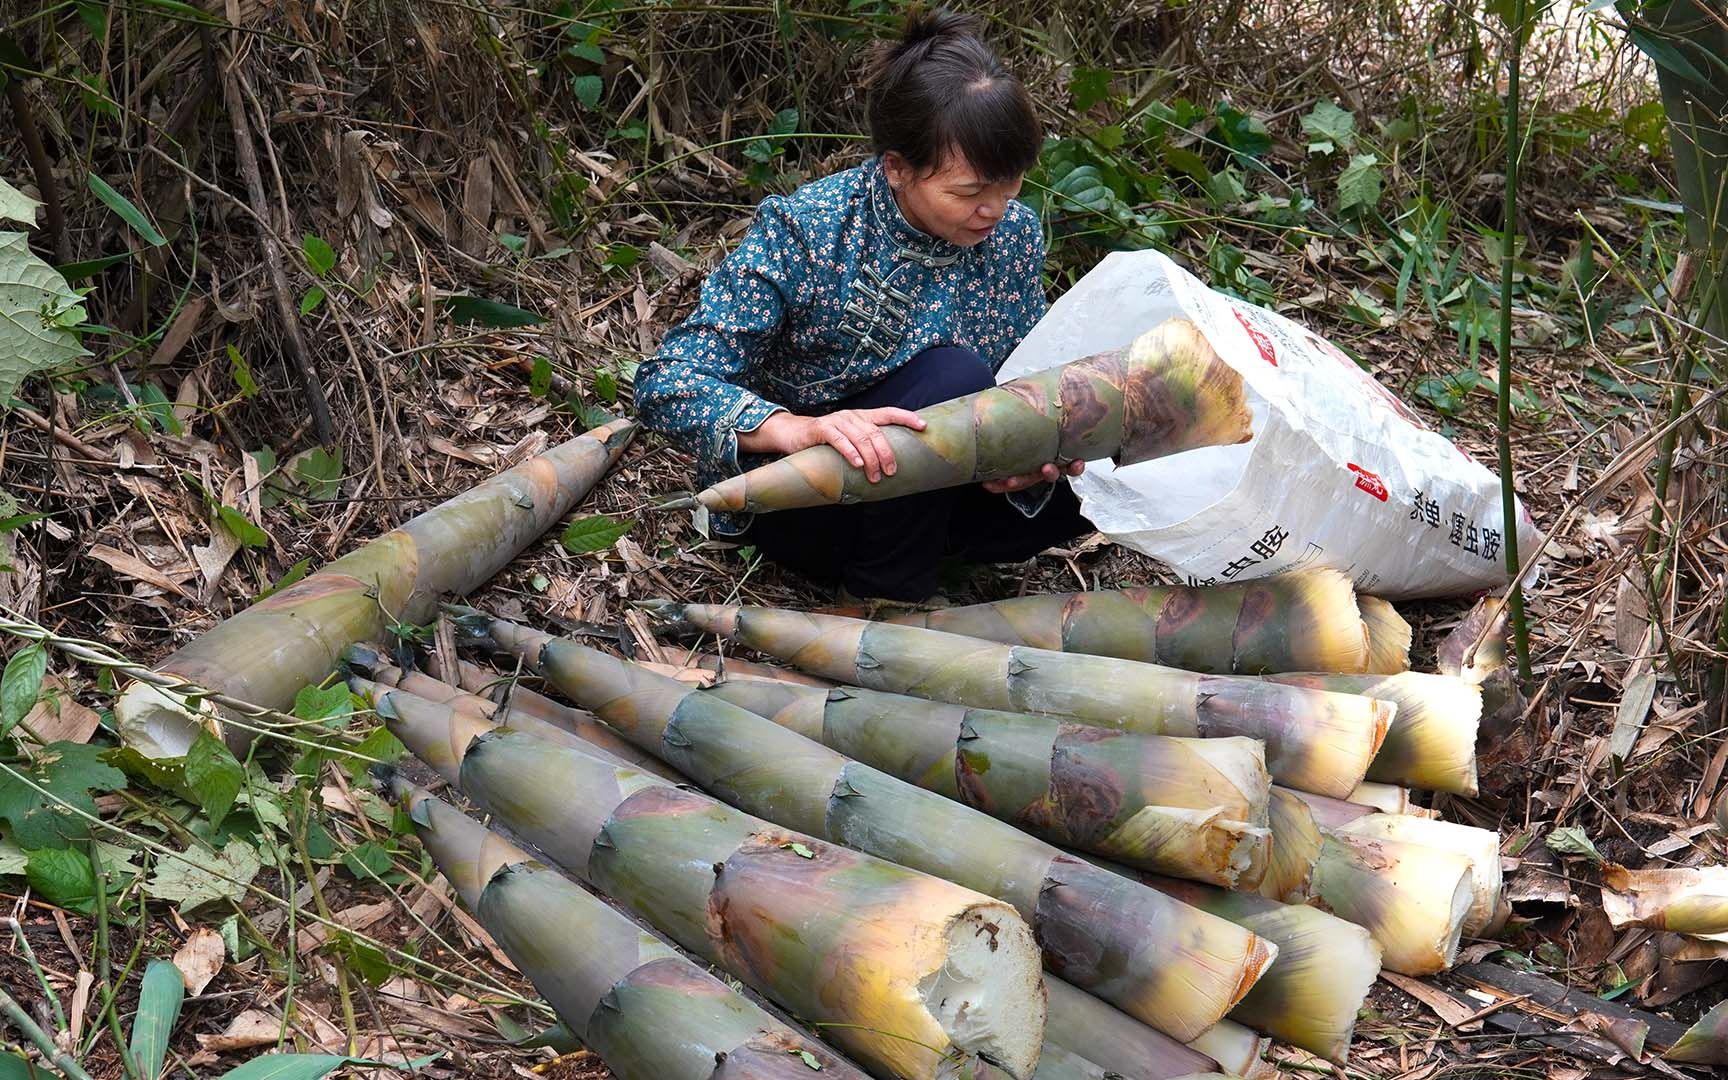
[[1369, 482], [1261, 341]]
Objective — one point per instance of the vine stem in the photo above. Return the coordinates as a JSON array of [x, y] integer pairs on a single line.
[[1508, 238], [11, 1010]]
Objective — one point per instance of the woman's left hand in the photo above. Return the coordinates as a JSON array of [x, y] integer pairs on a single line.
[[1048, 474]]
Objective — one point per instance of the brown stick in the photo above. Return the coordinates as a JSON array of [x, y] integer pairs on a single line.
[[295, 343], [41, 166]]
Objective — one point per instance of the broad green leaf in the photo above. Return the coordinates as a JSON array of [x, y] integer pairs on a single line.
[[213, 777], [44, 800], [21, 684], [1089, 86], [512, 243], [785, 122], [129, 213], [368, 961], [13, 1067], [1664, 55], [1574, 841], [198, 876], [378, 744], [12, 857], [319, 256], [38, 312], [319, 471], [17, 206], [242, 373], [1359, 183], [302, 1066], [1241, 132], [587, 89], [244, 531], [1329, 127], [157, 408], [474, 310], [159, 999], [540, 379], [595, 533], [63, 876], [606, 385], [368, 860], [329, 704], [622, 256], [314, 296]]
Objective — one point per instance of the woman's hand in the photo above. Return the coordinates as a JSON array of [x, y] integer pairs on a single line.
[[1047, 475], [856, 433]]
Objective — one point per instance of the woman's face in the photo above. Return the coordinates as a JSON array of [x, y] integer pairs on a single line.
[[951, 203]]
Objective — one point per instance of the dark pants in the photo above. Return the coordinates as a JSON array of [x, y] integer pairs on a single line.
[[894, 549]]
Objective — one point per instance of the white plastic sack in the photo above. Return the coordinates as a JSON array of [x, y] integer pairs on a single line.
[[1338, 473]]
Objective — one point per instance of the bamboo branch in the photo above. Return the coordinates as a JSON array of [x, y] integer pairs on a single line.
[[1508, 236], [11, 1010]]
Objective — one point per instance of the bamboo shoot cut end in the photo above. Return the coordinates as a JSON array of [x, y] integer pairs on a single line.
[[161, 724], [989, 995]]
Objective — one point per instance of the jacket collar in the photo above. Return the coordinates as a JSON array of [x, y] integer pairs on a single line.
[[913, 244]]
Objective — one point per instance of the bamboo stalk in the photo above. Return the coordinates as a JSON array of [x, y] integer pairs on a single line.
[[1164, 963], [649, 1013], [367, 660], [1194, 808], [1315, 740], [1503, 412], [914, 975], [267, 653], [1167, 392], [1303, 621]]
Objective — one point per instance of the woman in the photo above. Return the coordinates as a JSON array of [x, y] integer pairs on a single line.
[[862, 297]]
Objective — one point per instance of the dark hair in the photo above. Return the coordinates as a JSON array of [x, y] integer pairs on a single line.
[[940, 89]]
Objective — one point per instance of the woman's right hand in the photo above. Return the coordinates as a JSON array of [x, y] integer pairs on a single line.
[[855, 433]]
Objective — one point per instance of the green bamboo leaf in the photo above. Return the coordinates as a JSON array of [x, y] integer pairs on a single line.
[[540, 379], [294, 574], [242, 373], [159, 1000], [309, 303], [595, 533], [129, 213], [319, 255], [63, 876], [13, 1067], [471, 310], [21, 684], [304, 1066], [78, 271]]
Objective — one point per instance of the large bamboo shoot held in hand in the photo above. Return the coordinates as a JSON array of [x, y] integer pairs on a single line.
[[1315, 740], [916, 977], [1303, 621], [1159, 960], [1193, 808], [1165, 393], [267, 653], [649, 1013]]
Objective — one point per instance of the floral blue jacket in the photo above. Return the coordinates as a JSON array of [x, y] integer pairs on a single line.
[[830, 291]]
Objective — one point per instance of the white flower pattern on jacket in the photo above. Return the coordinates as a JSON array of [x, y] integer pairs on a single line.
[[829, 291]]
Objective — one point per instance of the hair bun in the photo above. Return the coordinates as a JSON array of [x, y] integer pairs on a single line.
[[924, 29]]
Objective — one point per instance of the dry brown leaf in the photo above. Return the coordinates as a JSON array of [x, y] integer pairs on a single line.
[[137, 569], [359, 917], [199, 959], [252, 1028], [58, 718], [1449, 1009]]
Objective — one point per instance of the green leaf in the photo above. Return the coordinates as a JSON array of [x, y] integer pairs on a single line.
[[37, 312], [1245, 134], [587, 89], [540, 379], [368, 860], [333, 703], [197, 876], [1110, 138], [801, 850], [158, 409], [66, 773], [379, 744], [1329, 127], [63, 876], [622, 256], [1359, 183], [319, 472], [1572, 840], [808, 1059], [304, 1066], [314, 296], [85, 268], [294, 574], [17, 206], [242, 373], [130, 214], [213, 776], [159, 999], [512, 243], [473, 310], [595, 533], [367, 960], [21, 684], [12, 857], [582, 50], [244, 531], [1089, 86], [606, 385], [785, 122], [319, 256]]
